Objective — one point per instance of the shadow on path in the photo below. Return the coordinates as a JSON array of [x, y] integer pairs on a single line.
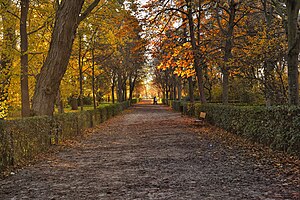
[[149, 152]]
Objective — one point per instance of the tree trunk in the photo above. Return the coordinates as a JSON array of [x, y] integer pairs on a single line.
[[113, 89], [59, 103], [93, 77], [167, 85], [293, 50], [124, 91], [24, 59], [228, 51], [196, 53], [80, 66], [74, 103], [225, 86], [120, 89], [67, 19], [179, 88], [190, 79], [191, 89], [269, 65], [132, 86]]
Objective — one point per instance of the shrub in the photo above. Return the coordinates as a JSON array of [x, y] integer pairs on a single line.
[[135, 100], [23, 139], [277, 127]]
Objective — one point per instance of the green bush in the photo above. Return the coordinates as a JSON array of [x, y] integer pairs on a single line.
[[276, 126], [23, 139], [135, 100]]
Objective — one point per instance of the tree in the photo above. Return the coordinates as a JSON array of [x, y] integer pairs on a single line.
[[24, 59], [167, 13], [293, 7], [68, 16]]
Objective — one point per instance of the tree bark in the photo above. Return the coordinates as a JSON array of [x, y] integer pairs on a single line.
[[80, 66], [93, 76], [179, 88], [293, 50], [59, 103], [120, 88], [132, 85], [191, 89], [113, 89], [24, 59], [67, 19], [228, 51], [196, 52]]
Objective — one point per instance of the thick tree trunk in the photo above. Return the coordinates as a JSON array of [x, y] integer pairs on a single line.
[[24, 59], [55, 66], [67, 19], [293, 50], [59, 103]]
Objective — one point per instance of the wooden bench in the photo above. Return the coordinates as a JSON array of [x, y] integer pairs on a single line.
[[201, 119]]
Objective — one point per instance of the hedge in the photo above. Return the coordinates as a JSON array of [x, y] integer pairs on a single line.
[[22, 139], [135, 100], [277, 127]]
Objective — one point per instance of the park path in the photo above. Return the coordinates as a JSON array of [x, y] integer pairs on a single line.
[[151, 152]]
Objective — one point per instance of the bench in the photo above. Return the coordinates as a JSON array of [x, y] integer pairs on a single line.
[[201, 119]]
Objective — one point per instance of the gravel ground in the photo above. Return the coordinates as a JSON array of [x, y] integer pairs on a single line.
[[151, 152]]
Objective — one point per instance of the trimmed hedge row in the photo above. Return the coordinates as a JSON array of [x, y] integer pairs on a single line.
[[22, 139], [277, 127], [135, 100]]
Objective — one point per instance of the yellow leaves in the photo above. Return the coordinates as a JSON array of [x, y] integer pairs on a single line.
[[187, 45]]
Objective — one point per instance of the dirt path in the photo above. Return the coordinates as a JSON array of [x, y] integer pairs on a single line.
[[150, 152]]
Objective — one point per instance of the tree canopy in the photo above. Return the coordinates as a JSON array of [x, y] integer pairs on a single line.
[[53, 52]]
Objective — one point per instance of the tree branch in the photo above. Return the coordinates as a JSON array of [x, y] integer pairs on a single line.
[[89, 9]]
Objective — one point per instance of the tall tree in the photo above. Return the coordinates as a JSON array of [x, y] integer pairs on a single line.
[[195, 48], [24, 59], [68, 16], [293, 7]]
